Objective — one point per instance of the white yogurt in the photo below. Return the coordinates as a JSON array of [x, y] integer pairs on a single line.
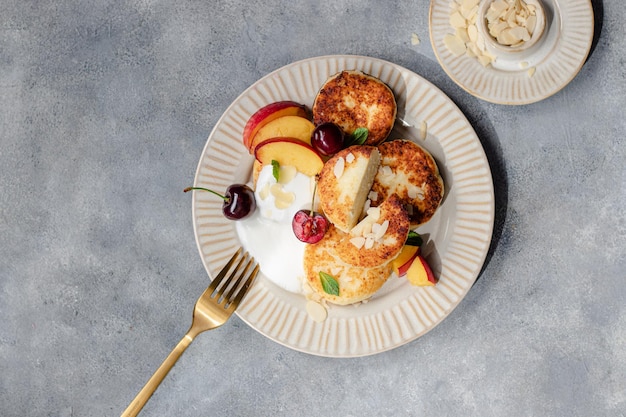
[[267, 234]]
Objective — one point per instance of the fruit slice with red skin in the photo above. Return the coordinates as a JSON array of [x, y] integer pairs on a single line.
[[419, 273], [285, 127], [403, 261], [268, 113], [289, 151]]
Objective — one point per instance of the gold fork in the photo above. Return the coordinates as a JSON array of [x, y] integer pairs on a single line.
[[214, 307]]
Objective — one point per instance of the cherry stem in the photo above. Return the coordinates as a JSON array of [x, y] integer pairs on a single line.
[[313, 199], [206, 189]]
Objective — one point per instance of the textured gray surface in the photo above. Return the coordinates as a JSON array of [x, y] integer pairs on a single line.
[[104, 110]]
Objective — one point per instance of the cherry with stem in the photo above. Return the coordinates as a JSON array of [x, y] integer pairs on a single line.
[[239, 201]]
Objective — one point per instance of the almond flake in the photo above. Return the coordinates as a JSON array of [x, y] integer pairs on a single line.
[[316, 311], [339, 167], [367, 228], [472, 33], [282, 199], [414, 192], [382, 230], [374, 213], [415, 40], [455, 45], [264, 192], [286, 174], [373, 195], [358, 241], [457, 20], [350, 157], [423, 130], [369, 243], [367, 205]]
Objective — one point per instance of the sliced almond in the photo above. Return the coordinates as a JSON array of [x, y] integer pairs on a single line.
[[286, 174], [367, 205], [282, 199], [423, 130], [339, 167], [454, 44], [358, 241], [381, 230], [457, 20], [472, 33], [374, 213], [316, 311], [462, 34], [264, 192]]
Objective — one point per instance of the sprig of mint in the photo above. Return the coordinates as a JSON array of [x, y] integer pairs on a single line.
[[275, 169], [358, 137], [414, 239], [329, 284]]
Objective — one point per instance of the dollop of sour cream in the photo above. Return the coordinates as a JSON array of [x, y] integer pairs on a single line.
[[267, 235]]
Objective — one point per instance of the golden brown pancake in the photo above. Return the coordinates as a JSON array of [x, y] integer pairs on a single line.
[[408, 170], [353, 99], [344, 183], [355, 283]]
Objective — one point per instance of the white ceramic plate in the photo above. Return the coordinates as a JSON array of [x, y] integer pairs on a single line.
[[458, 235], [568, 37]]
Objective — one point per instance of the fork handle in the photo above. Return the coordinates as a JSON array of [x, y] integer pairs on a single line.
[[146, 392]]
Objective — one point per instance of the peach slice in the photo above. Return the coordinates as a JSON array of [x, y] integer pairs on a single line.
[[289, 151], [268, 113], [419, 273], [285, 127], [403, 261]]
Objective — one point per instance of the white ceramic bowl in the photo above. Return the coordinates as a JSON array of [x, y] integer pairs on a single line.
[[521, 49]]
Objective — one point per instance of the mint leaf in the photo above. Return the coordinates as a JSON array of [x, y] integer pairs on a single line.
[[275, 169], [414, 239], [329, 284], [358, 137]]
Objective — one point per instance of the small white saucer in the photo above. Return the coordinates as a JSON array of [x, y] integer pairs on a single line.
[[536, 73]]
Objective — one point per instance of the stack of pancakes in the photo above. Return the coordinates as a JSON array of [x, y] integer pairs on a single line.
[[372, 194]]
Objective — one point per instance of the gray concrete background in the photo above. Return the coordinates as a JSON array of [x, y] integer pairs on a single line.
[[105, 107]]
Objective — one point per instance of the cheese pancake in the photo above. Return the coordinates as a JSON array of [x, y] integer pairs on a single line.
[[355, 283], [353, 99], [344, 183], [408, 170]]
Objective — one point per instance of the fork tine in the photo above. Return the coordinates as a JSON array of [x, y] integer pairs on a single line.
[[218, 294], [244, 289], [220, 276], [233, 289]]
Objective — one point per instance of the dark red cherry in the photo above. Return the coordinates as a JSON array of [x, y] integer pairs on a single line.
[[327, 139], [308, 226], [239, 201]]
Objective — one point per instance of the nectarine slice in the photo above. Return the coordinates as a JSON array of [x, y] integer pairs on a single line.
[[285, 127], [289, 151], [419, 273], [268, 113], [403, 261]]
